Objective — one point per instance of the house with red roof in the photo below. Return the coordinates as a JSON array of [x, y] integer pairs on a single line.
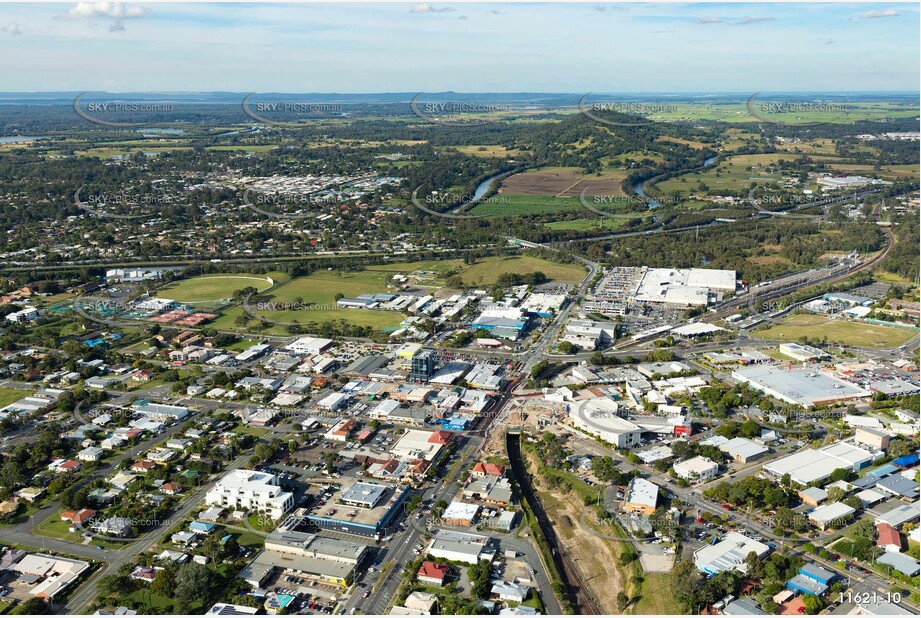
[[433, 573], [171, 489], [78, 518], [65, 465], [483, 468], [889, 538], [143, 466]]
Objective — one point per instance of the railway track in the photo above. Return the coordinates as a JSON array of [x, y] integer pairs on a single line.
[[769, 293], [582, 600]]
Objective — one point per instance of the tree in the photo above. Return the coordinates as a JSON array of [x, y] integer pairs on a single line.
[[195, 584], [812, 604], [164, 583], [33, 607]]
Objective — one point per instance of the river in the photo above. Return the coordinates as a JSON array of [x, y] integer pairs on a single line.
[[640, 187]]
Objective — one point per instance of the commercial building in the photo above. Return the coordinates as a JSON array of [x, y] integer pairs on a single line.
[[422, 366], [251, 490], [833, 515], [684, 287], [461, 547], [361, 508], [743, 450], [802, 353], [696, 468], [902, 514], [47, 575], [903, 563], [506, 323], [309, 346], [875, 438], [600, 418], [327, 560], [728, 554], [803, 387], [460, 513]]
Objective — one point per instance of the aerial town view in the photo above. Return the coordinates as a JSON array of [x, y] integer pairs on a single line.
[[510, 309]]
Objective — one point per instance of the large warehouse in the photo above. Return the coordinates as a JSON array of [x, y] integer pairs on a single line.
[[810, 465], [599, 417], [802, 387], [684, 286]]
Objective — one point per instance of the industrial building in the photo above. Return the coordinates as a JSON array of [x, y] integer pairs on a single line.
[[810, 466], [833, 515], [642, 497], [803, 387], [728, 554], [743, 450], [696, 468]]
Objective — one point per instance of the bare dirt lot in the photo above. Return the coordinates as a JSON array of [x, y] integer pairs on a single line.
[[563, 182]]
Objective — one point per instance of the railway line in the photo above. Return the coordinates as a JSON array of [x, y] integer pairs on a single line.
[[582, 600]]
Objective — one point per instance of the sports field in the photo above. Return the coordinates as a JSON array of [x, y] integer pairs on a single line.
[[210, 288], [313, 299], [837, 331]]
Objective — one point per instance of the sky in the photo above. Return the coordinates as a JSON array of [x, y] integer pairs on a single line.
[[413, 47]]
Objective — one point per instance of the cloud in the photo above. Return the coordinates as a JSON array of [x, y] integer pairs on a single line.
[[117, 26], [601, 8], [877, 14], [744, 21], [11, 29], [751, 20], [115, 10], [425, 7], [496, 12]]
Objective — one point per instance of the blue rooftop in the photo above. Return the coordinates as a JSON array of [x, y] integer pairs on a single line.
[[906, 461]]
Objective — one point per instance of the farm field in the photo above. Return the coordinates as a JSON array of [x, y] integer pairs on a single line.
[[563, 181], [488, 151], [733, 174], [210, 288], [515, 205], [837, 331], [677, 140], [605, 224], [487, 270]]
